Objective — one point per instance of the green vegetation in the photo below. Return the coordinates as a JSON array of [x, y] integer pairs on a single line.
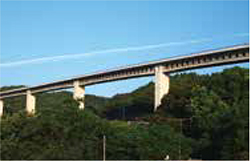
[[203, 117]]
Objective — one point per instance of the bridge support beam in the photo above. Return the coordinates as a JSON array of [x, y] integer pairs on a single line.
[[79, 94], [1, 108], [162, 82], [30, 103]]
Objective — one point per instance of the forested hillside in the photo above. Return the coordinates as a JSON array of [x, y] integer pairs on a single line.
[[203, 117]]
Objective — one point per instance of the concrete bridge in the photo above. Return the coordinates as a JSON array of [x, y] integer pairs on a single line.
[[160, 69]]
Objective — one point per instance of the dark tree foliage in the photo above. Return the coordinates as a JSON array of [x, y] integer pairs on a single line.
[[66, 132], [129, 106], [203, 117]]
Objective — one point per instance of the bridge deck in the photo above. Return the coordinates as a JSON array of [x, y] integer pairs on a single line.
[[228, 55]]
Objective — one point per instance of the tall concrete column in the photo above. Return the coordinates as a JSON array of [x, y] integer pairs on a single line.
[[79, 93], [161, 85], [1, 108], [30, 103]]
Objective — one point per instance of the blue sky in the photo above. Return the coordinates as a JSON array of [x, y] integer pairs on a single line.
[[31, 30]]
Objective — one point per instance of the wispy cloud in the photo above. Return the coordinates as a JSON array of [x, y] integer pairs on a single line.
[[115, 50], [88, 54], [241, 35]]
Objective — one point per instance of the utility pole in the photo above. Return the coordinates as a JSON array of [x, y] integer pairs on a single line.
[[180, 139], [104, 148]]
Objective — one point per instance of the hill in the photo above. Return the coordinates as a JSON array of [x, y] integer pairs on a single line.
[[203, 117]]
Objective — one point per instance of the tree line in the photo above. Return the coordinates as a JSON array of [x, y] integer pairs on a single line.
[[203, 117]]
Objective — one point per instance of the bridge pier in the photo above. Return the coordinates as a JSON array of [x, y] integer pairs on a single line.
[[1, 108], [30, 103], [79, 94], [162, 82]]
